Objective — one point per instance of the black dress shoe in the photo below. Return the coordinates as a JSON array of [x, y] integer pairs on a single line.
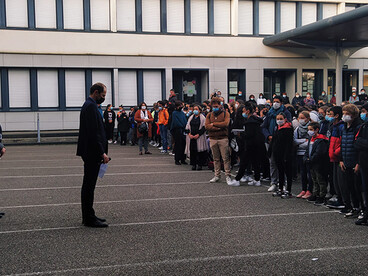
[[96, 224], [194, 168], [177, 163], [101, 219], [184, 163]]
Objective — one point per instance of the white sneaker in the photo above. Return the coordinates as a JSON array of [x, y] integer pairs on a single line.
[[110, 141], [250, 183], [160, 148], [233, 182], [246, 178], [215, 179], [272, 188], [256, 183], [115, 142], [156, 145], [163, 151], [229, 181]]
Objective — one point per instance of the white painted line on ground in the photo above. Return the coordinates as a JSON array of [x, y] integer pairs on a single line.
[[132, 200], [197, 260], [103, 186], [72, 167], [76, 158], [172, 221], [107, 174]]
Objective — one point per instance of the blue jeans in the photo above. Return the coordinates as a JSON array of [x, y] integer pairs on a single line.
[[163, 132]]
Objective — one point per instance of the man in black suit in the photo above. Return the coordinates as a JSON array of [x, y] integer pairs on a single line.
[[92, 147]]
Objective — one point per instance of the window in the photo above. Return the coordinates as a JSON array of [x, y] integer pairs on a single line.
[[365, 80], [151, 16], [0, 91], [75, 88], [309, 13], [175, 16], [45, 13], [329, 10], [73, 14], [48, 92], [245, 18], [100, 15], [104, 76], [127, 88], [288, 16], [152, 87], [19, 88], [125, 15], [16, 13], [222, 16], [266, 17], [199, 16]]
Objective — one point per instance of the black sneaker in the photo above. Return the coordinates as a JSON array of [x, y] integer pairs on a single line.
[[312, 199], [354, 213], [277, 193], [319, 201], [362, 219], [286, 195], [344, 211], [335, 205]]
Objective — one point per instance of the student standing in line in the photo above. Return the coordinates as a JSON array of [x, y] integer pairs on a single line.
[[2, 152], [334, 115], [163, 121], [217, 123], [144, 127], [196, 143], [177, 128], [261, 99], [281, 148], [92, 147], [109, 116], [123, 125], [351, 180], [316, 156]]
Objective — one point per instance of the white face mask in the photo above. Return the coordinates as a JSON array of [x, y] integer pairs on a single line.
[[144, 107], [346, 118], [280, 122], [310, 133], [236, 105], [297, 96], [261, 97], [303, 122], [208, 110], [276, 105]]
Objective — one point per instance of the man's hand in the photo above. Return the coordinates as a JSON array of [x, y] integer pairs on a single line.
[[342, 166], [196, 136], [269, 138], [105, 158], [356, 168], [2, 152]]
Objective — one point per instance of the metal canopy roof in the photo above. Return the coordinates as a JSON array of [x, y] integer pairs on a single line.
[[346, 30]]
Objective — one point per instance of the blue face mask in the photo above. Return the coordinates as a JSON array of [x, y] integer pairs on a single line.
[[196, 112], [216, 109], [363, 116], [330, 119], [160, 108], [245, 115]]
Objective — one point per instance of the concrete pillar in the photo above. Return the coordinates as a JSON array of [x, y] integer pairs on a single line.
[[325, 79], [234, 17], [299, 80], [339, 64], [113, 24]]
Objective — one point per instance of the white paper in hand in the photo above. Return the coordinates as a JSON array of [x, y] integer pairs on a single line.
[[103, 169]]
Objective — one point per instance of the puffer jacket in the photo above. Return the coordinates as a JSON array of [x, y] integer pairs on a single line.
[[361, 145], [301, 141], [318, 156], [349, 154], [334, 150]]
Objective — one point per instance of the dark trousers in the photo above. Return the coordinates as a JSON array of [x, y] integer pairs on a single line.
[[91, 169], [285, 167], [123, 137], [350, 189], [337, 179], [307, 182], [319, 183], [247, 158], [329, 179], [179, 146], [198, 158], [364, 175], [109, 131]]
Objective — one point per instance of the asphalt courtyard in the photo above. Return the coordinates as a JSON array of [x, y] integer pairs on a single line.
[[164, 220]]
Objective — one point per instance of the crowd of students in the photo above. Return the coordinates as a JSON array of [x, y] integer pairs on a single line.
[[271, 140]]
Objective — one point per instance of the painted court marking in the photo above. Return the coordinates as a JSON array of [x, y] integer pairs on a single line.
[[199, 259], [170, 221], [73, 167], [132, 200]]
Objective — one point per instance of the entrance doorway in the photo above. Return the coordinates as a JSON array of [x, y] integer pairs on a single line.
[[312, 83], [191, 86], [235, 83], [278, 81], [350, 80]]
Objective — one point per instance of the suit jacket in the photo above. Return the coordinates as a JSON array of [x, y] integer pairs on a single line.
[[92, 142]]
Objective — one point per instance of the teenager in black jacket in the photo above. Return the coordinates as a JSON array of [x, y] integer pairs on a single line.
[[316, 156], [123, 125], [281, 148]]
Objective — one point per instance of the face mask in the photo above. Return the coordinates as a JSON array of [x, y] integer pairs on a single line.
[[188, 114], [222, 103], [196, 112], [280, 122], [297, 96], [240, 95], [208, 110], [100, 100], [302, 122], [236, 105], [190, 111], [363, 116], [276, 105], [310, 133], [216, 109], [284, 96], [323, 94], [308, 96], [160, 107], [144, 107], [245, 115], [354, 95], [330, 119], [261, 97], [252, 99], [346, 118]]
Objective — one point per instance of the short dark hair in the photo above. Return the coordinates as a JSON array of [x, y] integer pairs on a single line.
[[100, 87], [249, 106], [215, 100], [315, 125], [142, 103], [278, 98]]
